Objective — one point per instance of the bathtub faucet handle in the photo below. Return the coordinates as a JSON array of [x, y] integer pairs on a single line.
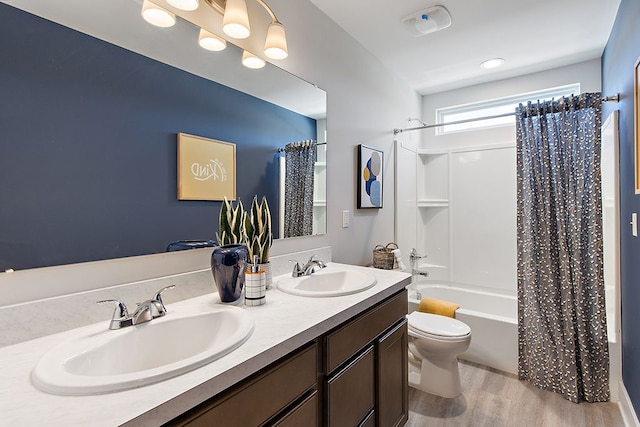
[[413, 256]]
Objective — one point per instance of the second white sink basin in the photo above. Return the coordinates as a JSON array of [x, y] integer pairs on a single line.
[[113, 360], [327, 282]]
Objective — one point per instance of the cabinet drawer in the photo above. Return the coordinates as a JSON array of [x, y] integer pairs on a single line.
[[256, 401], [357, 333], [304, 414], [351, 392]]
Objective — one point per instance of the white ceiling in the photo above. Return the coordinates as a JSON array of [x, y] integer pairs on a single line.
[[531, 35]]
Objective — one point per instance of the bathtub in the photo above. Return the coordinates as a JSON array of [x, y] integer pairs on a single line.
[[492, 317]]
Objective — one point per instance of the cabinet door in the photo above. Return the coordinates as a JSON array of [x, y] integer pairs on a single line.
[[351, 392], [392, 396]]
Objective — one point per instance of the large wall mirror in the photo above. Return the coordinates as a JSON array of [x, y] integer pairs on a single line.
[[93, 100]]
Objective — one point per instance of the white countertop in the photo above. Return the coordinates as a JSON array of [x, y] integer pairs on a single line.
[[283, 324]]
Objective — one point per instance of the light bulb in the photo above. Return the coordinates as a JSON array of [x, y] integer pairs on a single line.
[[275, 46], [249, 60], [235, 22], [210, 41], [184, 4], [155, 15]]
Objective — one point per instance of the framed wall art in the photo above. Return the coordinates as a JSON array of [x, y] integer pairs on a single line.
[[206, 168], [370, 177]]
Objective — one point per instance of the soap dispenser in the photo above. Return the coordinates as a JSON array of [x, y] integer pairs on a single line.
[[255, 292]]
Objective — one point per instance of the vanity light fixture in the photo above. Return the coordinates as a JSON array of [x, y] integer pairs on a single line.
[[492, 63], [187, 5], [156, 15], [210, 41], [235, 24], [250, 60], [275, 47]]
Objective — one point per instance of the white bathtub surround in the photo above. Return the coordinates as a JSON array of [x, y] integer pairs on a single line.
[[69, 293], [285, 323], [491, 316]]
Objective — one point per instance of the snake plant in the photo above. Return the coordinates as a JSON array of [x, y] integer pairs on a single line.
[[230, 231], [257, 230]]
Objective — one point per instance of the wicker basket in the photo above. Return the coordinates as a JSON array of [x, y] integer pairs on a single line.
[[383, 256]]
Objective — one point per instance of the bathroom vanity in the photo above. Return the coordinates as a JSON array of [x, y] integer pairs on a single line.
[[310, 361], [355, 374]]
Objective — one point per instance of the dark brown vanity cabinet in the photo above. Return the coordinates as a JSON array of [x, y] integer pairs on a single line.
[[366, 366], [354, 375], [284, 394]]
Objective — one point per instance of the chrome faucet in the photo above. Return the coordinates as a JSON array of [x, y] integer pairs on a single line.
[[309, 268], [145, 311], [413, 258]]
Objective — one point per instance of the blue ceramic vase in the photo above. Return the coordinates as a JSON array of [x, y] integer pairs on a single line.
[[228, 265]]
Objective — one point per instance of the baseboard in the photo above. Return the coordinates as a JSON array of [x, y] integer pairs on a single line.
[[626, 408]]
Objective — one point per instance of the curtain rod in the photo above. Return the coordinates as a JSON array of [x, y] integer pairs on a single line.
[[612, 98]]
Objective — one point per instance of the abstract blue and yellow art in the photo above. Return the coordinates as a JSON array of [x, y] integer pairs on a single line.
[[370, 161]]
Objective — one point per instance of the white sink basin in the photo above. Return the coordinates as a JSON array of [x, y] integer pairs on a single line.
[[106, 360], [327, 282]]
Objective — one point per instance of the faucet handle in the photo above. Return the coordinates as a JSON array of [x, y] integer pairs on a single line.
[[413, 256], [120, 310], [120, 316], [297, 270], [158, 296], [159, 309]]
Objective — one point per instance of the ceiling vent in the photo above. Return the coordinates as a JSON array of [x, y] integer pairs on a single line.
[[427, 21]]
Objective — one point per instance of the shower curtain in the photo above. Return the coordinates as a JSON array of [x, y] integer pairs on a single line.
[[300, 160], [562, 333]]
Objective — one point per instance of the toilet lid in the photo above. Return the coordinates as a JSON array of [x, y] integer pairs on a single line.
[[434, 324]]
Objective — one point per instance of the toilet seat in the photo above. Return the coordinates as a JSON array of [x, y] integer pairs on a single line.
[[435, 326]]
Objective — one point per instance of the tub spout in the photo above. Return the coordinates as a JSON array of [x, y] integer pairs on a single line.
[[419, 273]]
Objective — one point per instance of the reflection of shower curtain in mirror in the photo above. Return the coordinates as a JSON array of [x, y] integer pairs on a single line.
[[298, 202]]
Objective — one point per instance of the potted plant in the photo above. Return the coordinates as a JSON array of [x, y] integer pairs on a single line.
[[257, 234], [229, 260]]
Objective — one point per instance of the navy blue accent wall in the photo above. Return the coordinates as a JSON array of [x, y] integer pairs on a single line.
[[619, 58], [88, 146]]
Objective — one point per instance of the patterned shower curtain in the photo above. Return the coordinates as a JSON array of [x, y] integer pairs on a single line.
[[562, 331], [298, 188]]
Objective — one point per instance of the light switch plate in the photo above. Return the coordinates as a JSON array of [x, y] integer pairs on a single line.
[[634, 224], [345, 219]]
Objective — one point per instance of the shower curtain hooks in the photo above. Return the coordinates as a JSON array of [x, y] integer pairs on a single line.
[[610, 98]]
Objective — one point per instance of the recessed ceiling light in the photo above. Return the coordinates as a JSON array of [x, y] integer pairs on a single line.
[[492, 63]]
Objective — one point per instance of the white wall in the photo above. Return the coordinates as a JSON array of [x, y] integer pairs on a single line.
[[586, 73], [365, 103]]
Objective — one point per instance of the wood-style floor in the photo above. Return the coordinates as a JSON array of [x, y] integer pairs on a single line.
[[493, 398]]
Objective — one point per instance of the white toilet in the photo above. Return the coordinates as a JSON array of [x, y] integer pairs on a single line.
[[434, 343]]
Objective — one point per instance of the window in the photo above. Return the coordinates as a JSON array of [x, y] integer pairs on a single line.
[[496, 107]]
